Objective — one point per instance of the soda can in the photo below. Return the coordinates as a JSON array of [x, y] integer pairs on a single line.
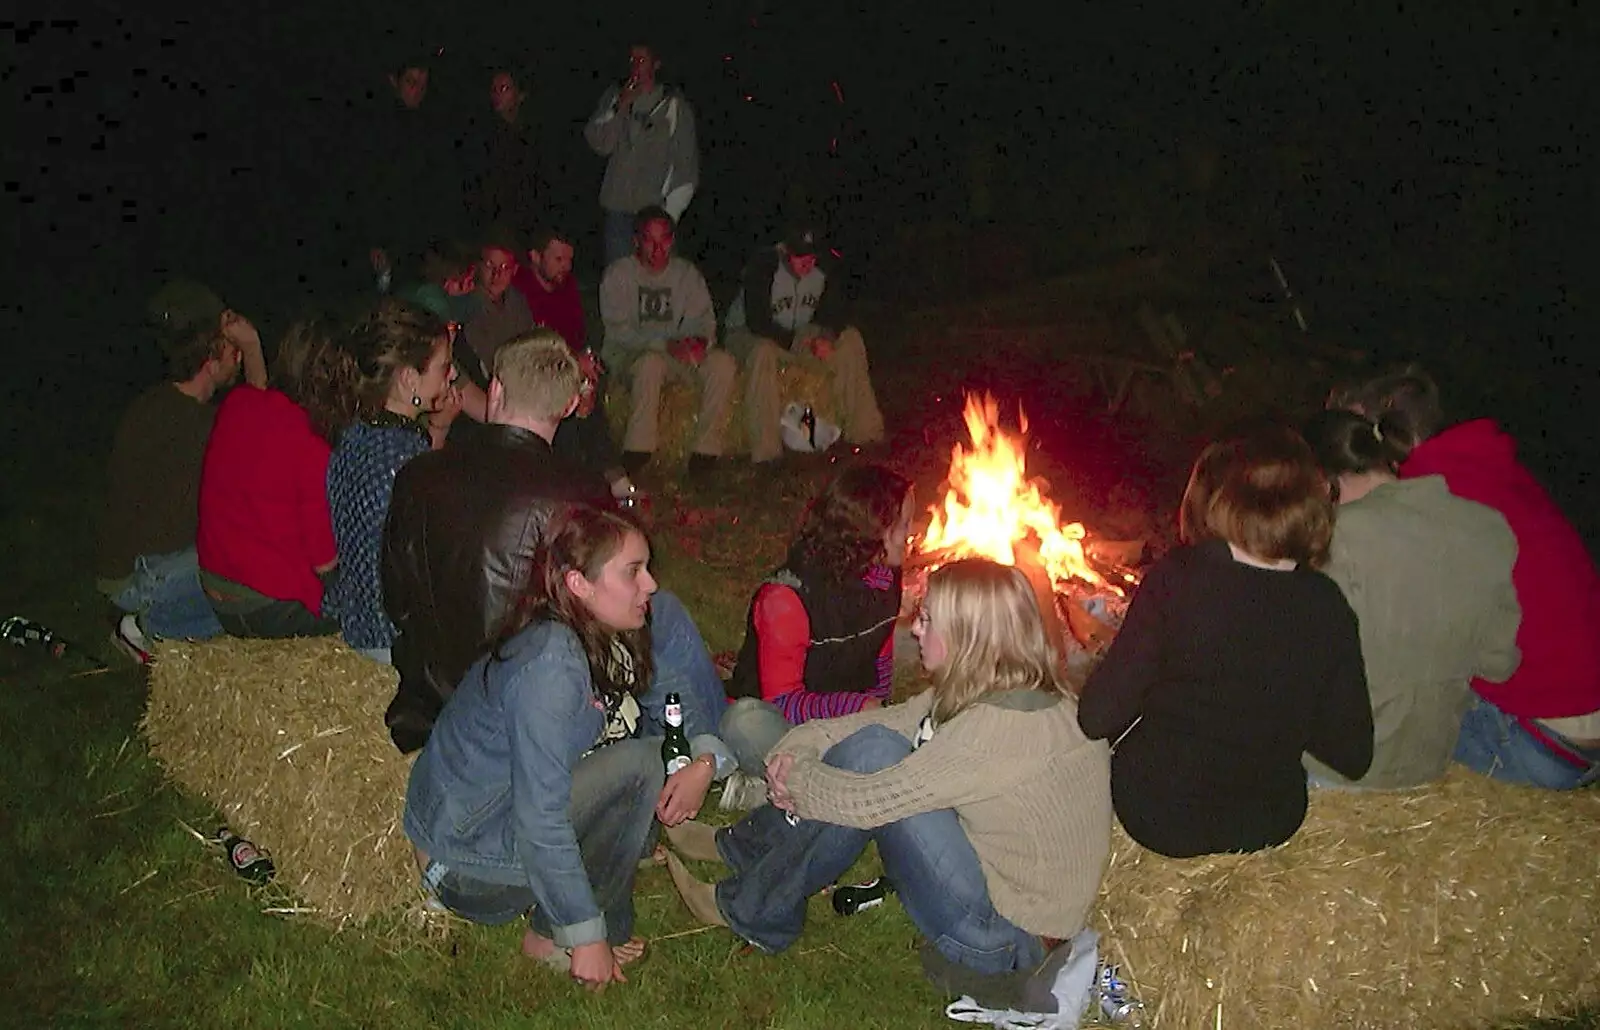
[[1116, 998]]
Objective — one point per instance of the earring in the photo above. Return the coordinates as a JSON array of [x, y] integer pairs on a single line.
[[416, 402]]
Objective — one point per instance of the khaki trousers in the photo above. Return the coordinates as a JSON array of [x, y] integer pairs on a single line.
[[715, 377], [853, 399]]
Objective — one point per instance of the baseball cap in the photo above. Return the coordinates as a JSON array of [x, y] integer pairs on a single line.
[[183, 307], [802, 241]]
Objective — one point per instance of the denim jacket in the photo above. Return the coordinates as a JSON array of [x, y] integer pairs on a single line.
[[489, 794]]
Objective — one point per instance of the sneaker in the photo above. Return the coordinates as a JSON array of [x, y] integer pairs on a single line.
[[130, 639], [741, 791]]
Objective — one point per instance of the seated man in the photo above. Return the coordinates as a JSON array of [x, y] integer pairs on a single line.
[[147, 563], [659, 323], [547, 284], [789, 309], [463, 527]]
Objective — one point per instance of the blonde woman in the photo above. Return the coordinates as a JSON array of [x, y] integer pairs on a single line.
[[990, 808]]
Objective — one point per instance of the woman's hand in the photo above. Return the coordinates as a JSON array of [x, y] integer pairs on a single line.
[[594, 965], [777, 782], [685, 791]]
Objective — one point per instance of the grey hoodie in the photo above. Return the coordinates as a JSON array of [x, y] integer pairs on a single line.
[[653, 157]]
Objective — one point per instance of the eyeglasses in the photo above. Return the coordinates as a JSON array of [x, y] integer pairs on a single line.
[[509, 266]]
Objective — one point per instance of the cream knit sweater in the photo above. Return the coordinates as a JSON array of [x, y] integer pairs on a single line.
[[1032, 793]]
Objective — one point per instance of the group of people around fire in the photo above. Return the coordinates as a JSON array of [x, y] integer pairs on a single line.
[[1355, 603]]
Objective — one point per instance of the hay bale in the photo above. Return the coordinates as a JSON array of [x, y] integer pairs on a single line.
[[1465, 903], [286, 738], [808, 382]]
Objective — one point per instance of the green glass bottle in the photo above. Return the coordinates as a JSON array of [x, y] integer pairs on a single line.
[[675, 746]]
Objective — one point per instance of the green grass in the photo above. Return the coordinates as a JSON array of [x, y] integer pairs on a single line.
[[114, 915]]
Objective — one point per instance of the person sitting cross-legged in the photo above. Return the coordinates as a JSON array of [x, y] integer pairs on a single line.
[[790, 308], [147, 563], [659, 324], [536, 794], [990, 808]]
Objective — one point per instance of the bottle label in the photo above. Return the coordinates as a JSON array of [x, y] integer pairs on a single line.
[[674, 714], [677, 762], [869, 903], [243, 854]]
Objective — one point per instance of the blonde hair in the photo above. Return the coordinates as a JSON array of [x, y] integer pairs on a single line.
[[539, 374], [994, 635]]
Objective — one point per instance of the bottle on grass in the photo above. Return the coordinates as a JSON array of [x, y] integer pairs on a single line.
[[249, 861]]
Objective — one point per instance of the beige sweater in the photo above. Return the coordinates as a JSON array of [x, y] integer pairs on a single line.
[[1032, 793]]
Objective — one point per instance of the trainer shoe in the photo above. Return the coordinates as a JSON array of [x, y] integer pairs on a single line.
[[130, 639], [742, 791]]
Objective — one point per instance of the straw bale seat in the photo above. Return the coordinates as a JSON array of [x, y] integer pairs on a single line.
[[806, 382], [1464, 903]]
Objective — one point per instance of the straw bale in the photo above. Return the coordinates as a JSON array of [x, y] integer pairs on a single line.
[[1465, 903], [806, 382], [287, 739]]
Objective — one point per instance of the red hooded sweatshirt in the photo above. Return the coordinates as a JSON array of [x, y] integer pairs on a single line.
[[1555, 578]]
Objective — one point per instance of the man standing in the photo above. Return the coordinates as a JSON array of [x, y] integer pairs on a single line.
[[646, 132], [659, 323], [458, 547], [147, 563], [790, 309], [547, 284], [507, 184]]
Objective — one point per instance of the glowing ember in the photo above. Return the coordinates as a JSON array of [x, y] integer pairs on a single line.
[[992, 505]]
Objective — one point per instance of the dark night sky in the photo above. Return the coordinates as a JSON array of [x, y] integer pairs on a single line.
[[1444, 135]]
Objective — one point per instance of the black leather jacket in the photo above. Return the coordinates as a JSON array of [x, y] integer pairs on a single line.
[[463, 527]]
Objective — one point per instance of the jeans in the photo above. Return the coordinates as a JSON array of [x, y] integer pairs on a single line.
[[683, 667], [1496, 745], [777, 867], [612, 809], [617, 234], [750, 728], [164, 591]]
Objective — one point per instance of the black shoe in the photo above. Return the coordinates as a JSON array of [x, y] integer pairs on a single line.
[[633, 461], [703, 464]]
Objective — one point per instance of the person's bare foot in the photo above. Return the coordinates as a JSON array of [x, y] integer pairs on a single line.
[[542, 949], [655, 858], [700, 898], [629, 952]]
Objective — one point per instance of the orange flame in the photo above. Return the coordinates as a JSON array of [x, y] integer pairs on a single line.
[[992, 505]]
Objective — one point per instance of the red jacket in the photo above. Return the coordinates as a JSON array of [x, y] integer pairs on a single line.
[[1555, 578], [560, 309], [264, 519]]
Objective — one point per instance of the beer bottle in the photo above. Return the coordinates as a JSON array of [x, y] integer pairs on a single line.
[[858, 897], [675, 746], [249, 861]]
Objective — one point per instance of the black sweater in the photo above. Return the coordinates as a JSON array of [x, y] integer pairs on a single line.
[[1235, 671]]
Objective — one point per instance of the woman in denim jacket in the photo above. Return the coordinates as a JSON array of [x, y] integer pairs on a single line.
[[534, 794]]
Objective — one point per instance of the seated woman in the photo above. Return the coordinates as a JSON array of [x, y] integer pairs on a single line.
[[1429, 578], [819, 636], [990, 809], [535, 795], [264, 538], [1542, 725], [1235, 657], [400, 390]]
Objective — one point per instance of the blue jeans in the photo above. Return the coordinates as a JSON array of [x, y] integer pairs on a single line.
[[777, 867], [1495, 744], [684, 667], [750, 728], [617, 234], [612, 809], [164, 591]]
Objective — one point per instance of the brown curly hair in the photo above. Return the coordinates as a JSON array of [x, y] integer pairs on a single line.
[[841, 532], [391, 335], [313, 369]]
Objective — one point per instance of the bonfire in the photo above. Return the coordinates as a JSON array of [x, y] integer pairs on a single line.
[[992, 508]]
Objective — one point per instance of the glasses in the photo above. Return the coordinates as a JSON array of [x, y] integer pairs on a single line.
[[509, 266]]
